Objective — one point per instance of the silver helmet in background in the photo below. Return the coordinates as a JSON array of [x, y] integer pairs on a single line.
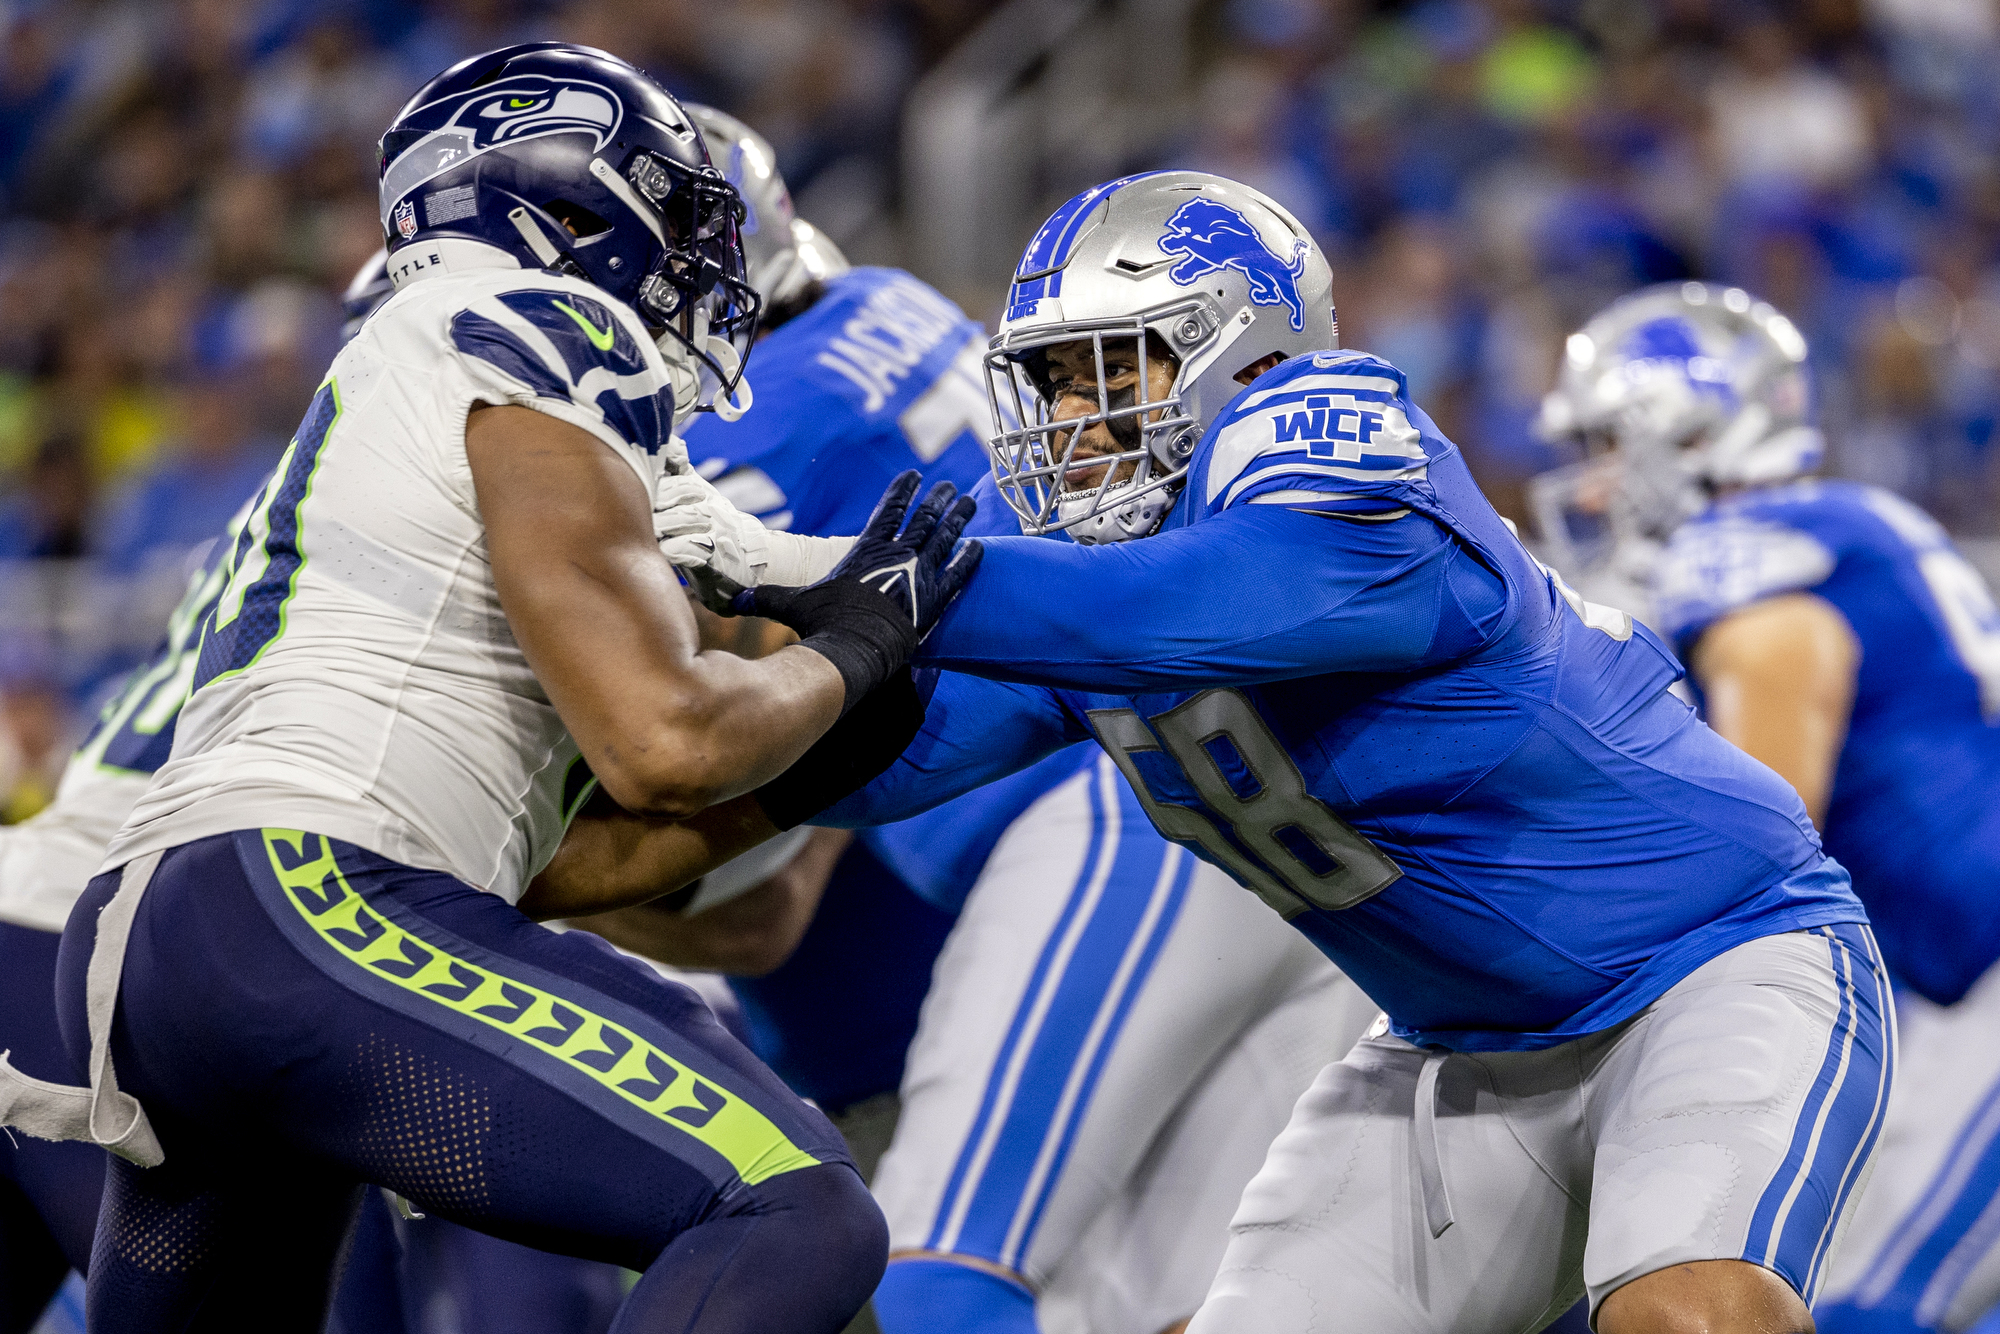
[[783, 253], [1211, 272], [1676, 392], [366, 291]]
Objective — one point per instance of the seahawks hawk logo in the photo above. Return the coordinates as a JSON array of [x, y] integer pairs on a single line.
[[449, 132]]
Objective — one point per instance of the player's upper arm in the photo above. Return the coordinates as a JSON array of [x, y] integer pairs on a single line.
[[1778, 678]]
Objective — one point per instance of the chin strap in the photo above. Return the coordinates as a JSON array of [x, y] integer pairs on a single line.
[[734, 404]]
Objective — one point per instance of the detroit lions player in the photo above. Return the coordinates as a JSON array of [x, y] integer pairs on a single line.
[[1637, 1041], [1102, 994], [445, 603], [1836, 635]]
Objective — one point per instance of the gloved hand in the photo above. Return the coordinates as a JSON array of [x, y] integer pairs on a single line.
[[722, 551], [869, 614]]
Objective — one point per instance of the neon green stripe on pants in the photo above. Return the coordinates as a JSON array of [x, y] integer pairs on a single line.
[[605, 1050]]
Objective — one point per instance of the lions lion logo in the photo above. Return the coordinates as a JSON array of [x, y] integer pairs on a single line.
[[1212, 237]]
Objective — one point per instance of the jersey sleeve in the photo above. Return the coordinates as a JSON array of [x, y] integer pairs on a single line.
[[1712, 567], [1257, 594], [1334, 432], [974, 732], [573, 357]]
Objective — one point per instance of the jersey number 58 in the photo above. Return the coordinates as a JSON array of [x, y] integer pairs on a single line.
[[1288, 847]]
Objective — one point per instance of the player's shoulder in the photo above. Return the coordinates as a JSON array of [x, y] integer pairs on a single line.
[[1332, 429], [1756, 545], [868, 342], [531, 335]]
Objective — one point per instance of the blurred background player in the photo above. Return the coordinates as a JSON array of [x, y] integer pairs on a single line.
[[1328, 666], [1114, 1032], [529, 1083], [1833, 632], [49, 1190]]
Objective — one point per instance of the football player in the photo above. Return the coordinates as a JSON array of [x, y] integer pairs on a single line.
[[1835, 634], [1114, 1033], [444, 625], [49, 1190], [1637, 1041]]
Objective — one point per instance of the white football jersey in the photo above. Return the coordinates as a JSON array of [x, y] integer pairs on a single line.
[[46, 861], [357, 677]]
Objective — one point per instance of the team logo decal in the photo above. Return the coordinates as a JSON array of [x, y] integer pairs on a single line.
[[1211, 237], [486, 118], [406, 219]]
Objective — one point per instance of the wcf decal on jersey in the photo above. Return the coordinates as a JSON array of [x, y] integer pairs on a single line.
[[1212, 237], [1334, 426]]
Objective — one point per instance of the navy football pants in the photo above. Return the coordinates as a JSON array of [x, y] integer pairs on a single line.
[[299, 1016], [48, 1191]]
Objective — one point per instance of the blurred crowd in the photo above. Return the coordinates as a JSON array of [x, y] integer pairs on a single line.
[[185, 186], [1490, 172]]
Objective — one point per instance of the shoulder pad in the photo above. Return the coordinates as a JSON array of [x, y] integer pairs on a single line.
[[1332, 429], [1714, 565], [557, 341]]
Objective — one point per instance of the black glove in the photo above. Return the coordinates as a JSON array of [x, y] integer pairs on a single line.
[[849, 755], [872, 610]]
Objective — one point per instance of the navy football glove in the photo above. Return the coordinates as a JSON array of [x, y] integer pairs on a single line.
[[869, 614]]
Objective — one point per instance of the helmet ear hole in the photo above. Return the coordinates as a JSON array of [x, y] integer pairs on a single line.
[[581, 222]]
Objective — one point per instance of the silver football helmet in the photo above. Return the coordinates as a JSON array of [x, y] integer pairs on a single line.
[[782, 251], [1211, 272], [1684, 389]]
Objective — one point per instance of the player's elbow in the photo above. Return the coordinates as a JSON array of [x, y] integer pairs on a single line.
[[753, 950], [662, 782]]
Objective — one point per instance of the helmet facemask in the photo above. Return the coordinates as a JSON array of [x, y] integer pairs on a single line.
[[697, 295], [1065, 475]]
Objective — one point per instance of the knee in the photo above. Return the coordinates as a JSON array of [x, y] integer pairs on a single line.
[[831, 1207], [1706, 1297]]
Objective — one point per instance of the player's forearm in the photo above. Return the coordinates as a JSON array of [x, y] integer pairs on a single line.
[[747, 936], [611, 858], [725, 727], [1252, 596], [975, 731]]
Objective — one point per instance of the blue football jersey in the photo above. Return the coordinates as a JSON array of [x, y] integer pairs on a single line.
[[1338, 675], [1912, 813], [881, 375], [940, 853]]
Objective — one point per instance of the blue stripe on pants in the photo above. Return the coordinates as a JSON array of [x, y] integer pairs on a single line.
[[1796, 1217], [1116, 921], [1954, 1223]]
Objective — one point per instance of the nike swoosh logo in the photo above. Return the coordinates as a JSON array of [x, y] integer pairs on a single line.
[[886, 580], [599, 338]]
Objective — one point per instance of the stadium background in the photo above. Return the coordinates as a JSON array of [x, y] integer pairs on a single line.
[[185, 186]]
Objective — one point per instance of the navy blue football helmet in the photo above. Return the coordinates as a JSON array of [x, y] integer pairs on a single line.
[[571, 160]]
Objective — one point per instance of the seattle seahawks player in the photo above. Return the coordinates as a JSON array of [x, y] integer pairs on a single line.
[[1636, 1039], [445, 604], [1834, 633], [49, 1190], [1101, 992]]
